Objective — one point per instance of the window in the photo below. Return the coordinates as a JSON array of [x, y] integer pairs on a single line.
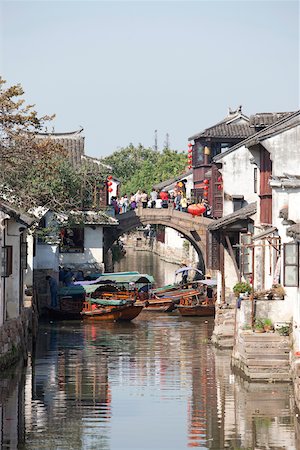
[[24, 252], [291, 264], [71, 240], [255, 180], [6, 259]]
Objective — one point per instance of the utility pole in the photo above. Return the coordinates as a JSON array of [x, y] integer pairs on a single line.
[[155, 140], [167, 142]]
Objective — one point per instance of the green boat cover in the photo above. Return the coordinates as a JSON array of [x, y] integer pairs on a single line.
[[77, 290], [104, 302], [94, 276], [138, 278]]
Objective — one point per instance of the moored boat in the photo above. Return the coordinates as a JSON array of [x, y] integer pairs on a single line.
[[196, 310], [110, 309], [200, 304]]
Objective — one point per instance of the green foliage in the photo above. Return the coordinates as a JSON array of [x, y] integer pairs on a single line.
[[285, 330], [241, 287], [268, 322], [141, 168], [259, 324]]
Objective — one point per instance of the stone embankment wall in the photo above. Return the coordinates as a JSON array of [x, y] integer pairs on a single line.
[[296, 380], [223, 334], [262, 356], [15, 336]]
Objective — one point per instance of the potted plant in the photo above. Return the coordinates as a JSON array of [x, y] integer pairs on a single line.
[[284, 330], [278, 291], [259, 326], [268, 325], [241, 288]]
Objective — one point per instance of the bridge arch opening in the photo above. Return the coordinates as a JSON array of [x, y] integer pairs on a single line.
[[193, 230]]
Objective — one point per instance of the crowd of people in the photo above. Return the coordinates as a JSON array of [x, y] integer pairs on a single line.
[[156, 199]]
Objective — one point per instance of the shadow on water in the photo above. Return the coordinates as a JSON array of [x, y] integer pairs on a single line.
[[156, 383]]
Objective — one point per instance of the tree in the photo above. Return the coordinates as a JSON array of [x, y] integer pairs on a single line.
[[141, 168], [36, 172]]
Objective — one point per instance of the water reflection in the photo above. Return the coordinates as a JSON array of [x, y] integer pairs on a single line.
[[155, 383], [146, 262]]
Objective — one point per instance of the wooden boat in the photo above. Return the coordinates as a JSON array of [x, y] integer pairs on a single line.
[[166, 301], [196, 310], [196, 305], [159, 305], [130, 312], [110, 309]]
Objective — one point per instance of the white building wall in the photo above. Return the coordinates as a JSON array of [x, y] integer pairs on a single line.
[[49, 258], [238, 176], [93, 250], [3, 216], [28, 278], [284, 149], [12, 283], [173, 239], [238, 179]]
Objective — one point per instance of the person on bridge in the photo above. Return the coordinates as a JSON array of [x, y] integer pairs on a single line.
[[183, 204], [164, 198], [124, 203], [132, 201], [153, 197], [144, 199]]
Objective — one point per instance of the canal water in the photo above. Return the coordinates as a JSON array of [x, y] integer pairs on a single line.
[[156, 383]]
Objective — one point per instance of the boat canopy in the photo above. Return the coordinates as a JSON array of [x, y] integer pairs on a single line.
[[95, 276], [138, 278], [77, 290], [108, 302], [183, 269]]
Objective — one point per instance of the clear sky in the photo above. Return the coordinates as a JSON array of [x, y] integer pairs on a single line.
[[123, 69]]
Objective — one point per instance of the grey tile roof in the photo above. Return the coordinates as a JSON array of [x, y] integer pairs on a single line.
[[235, 125], [90, 218], [17, 214], [72, 142], [265, 119], [294, 231], [171, 181], [288, 121], [240, 214]]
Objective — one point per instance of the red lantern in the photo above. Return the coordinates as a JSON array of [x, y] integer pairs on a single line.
[[190, 150], [220, 187], [205, 188], [110, 189], [220, 179], [196, 210], [205, 193], [109, 183], [206, 181], [190, 144], [189, 167], [109, 177]]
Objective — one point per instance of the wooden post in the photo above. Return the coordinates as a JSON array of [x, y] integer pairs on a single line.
[[233, 258], [252, 291]]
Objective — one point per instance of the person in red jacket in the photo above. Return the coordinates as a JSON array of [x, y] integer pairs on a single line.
[[163, 195]]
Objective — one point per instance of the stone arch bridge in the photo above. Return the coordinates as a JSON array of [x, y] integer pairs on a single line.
[[193, 228]]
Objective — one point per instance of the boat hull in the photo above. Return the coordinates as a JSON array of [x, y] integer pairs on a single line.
[[101, 315], [196, 310], [130, 312], [152, 305]]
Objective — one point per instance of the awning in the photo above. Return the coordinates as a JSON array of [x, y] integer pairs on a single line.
[[264, 234], [241, 214]]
